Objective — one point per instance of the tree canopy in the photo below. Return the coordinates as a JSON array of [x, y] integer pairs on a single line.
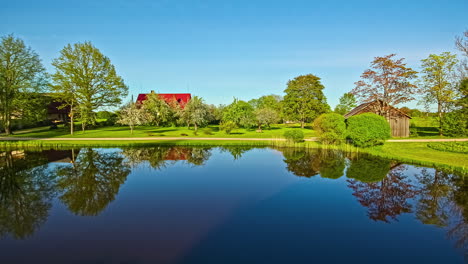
[[304, 99], [86, 79], [347, 103], [21, 74]]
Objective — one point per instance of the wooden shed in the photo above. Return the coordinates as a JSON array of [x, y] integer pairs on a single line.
[[399, 121]]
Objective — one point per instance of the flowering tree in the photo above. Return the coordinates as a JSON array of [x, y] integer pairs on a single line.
[[389, 81]]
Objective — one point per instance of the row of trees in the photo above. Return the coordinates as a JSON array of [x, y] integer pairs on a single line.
[[84, 80], [303, 102]]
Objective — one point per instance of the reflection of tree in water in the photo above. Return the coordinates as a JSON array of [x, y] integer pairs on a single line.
[[433, 201], [386, 199], [92, 182], [459, 226], [368, 169], [302, 162], [155, 156], [26, 191], [332, 164], [160, 157], [235, 151], [311, 162]]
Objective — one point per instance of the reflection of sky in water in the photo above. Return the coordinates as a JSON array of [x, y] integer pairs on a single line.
[[251, 209]]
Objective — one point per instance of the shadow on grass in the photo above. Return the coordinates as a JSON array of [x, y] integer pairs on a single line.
[[428, 131]]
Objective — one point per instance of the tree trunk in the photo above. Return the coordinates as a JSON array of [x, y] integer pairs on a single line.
[[7, 124], [71, 120], [439, 110], [131, 130], [302, 123], [260, 128], [195, 127]]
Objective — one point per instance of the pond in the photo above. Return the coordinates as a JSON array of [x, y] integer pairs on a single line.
[[227, 205]]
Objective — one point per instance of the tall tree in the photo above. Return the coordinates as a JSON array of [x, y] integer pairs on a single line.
[[87, 81], [439, 83], [21, 72], [304, 99], [197, 112], [387, 80], [347, 102]]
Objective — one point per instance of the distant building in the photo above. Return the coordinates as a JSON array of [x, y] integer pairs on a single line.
[[398, 120], [181, 98], [57, 113]]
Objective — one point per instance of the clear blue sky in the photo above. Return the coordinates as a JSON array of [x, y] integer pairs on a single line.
[[245, 49]]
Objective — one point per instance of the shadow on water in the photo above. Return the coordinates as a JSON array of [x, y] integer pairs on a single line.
[[87, 180]]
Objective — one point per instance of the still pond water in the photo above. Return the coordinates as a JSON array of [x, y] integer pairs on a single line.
[[227, 205]]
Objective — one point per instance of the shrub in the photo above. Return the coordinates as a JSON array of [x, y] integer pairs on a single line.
[[368, 129], [331, 128], [227, 126], [208, 131], [295, 135], [455, 124]]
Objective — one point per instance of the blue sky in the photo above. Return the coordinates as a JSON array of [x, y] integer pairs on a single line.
[[224, 49]]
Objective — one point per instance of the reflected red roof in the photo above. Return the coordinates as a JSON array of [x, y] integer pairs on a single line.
[[181, 98]]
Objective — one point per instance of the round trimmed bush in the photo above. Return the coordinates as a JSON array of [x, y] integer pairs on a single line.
[[368, 129], [295, 135], [331, 128]]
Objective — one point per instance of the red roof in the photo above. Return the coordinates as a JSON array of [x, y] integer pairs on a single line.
[[181, 98]]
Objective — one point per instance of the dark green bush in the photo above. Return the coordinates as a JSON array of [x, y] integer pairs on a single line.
[[368, 129], [455, 124], [331, 128], [295, 135]]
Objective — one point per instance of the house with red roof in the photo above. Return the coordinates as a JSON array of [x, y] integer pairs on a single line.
[[181, 98]]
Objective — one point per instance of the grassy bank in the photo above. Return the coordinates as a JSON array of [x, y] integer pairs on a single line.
[[408, 152], [274, 131]]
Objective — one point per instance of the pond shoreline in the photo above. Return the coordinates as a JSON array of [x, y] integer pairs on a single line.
[[414, 152]]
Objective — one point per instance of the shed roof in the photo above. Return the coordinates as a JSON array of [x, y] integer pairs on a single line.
[[367, 107]]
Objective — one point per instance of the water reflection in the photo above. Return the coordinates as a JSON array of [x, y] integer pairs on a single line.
[[26, 190], [87, 180], [310, 162], [160, 157], [386, 199], [90, 183]]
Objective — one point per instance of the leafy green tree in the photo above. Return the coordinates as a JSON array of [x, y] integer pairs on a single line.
[[438, 83], [92, 182], [197, 112], [86, 80], [265, 117], [158, 110], [21, 74], [267, 101], [304, 99], [347, 103], [132, 115], [239, 112], [368, 129]]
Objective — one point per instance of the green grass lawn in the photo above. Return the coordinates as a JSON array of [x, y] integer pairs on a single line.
[[276, 131]]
